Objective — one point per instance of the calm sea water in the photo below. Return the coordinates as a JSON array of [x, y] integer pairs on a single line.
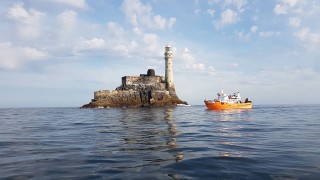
[[267, 142]]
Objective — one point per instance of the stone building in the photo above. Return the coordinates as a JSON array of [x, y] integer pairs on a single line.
[[146, 90]]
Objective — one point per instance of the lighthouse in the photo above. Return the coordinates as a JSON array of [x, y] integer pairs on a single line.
[[146, 90], [168, 55]]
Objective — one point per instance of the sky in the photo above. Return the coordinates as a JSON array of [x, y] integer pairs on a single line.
[[56, 53]]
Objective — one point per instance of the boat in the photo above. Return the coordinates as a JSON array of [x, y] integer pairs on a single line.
[[184, 105], [225, 101]]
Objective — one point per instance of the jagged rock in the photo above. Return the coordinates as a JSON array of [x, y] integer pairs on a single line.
[[137, 91]]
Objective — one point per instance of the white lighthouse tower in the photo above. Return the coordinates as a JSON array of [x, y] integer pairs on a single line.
[[168, 55]]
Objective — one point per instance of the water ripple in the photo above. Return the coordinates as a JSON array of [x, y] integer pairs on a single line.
[[267, 142]]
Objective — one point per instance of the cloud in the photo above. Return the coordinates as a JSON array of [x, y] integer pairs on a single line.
[[197, 8], [159, 22], [239, 4], [140, 15], [190, 62], [231, 11], [289, 6], [298, 13], [268, 34], [33, 54], [171, 22], [227, 17], [27, 22], [280, 9], [14, 57], [212, 2], [67, 27], [246, 36], [311, 39], [294, 21], [68, 20], [211, 12], [113, 47], [94, 43], [284, 7], [151, 42], [75, 3], [290, 3], [253, 29], [115, 29]]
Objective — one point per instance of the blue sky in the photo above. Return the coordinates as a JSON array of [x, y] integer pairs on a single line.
[[58, 52]]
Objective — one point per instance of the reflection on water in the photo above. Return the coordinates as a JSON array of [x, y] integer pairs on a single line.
[[173, 131], [231, 132], [267, 142], [148, 133], [232, 114]]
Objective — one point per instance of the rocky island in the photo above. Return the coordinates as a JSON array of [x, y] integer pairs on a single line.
[[146, 90]]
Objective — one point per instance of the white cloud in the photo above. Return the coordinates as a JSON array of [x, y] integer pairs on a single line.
[[294, 21], [27, 22], [67, 22], [138, 31], [114, 28], [311, 39], [186, 56], [159, 22], [227, 17], [140, 15], [290, 3], [68, 19], [246, 36], [287, 79], [150, 39], [290, 6], [231, 11], [211, 12], [239, 4], [190, 62], [33, 54], [198, 66], [121, 49], [280, 9], [296, 12], [151, 42], [212, 2], [197, 8], [18, 12], [14, 57], [94, 43], [253, 29], [75, 3], [268, 34], [171, 22]]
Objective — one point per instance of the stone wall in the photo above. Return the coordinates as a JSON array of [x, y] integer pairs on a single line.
[[139, 83], [127, 80], [136, 91], [132, 98], [117, 98]]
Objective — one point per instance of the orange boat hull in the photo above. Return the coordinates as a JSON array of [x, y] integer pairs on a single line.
[[221, 105]]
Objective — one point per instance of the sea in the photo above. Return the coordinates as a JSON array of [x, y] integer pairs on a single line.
[[280, 142]]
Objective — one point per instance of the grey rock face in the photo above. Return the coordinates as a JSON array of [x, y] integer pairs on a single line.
[[136, 91]]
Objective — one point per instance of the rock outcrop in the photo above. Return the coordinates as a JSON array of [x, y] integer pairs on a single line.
[[146, 90]]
